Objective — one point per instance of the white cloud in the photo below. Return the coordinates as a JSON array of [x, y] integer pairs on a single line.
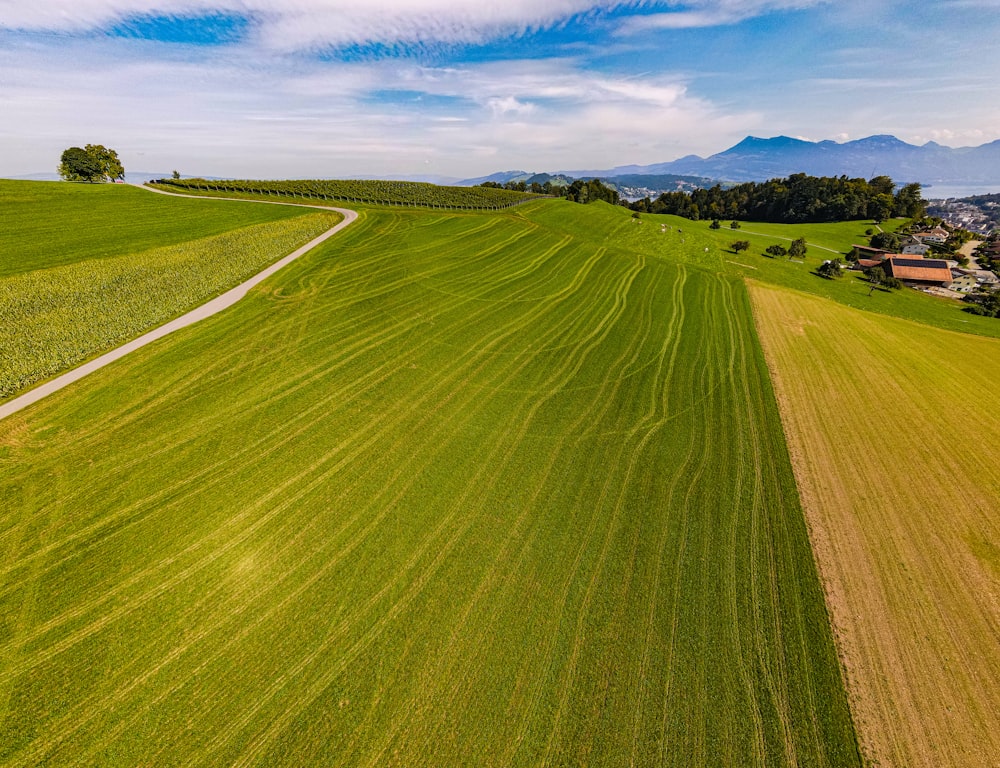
[[316, 24], [508, 105], [709, 13], [331, 119], [298, 24]]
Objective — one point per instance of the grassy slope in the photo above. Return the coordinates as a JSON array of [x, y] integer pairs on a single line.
[[455, 489], [900, 473], [47, 224], [687, 240]]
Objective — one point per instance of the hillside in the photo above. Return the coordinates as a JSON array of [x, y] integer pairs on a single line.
[[452, 485]]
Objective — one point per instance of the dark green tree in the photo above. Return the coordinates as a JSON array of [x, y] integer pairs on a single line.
[[734, 225], [830, 269], [909, 202], [77, 165], [739, 245], [716, 224], [876, 276], [797, 249], [92, 163], [776, 251], [887, 241]]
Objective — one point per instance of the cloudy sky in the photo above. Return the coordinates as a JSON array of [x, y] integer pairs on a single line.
[[340, 88]]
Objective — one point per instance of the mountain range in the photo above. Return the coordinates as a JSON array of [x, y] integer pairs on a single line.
[[756, 159]]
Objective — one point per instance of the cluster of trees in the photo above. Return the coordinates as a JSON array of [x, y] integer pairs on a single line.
[[796, 250], [93, 162], [987, 304], [580, 191], [548, 188], [798, 199], [591, 191]]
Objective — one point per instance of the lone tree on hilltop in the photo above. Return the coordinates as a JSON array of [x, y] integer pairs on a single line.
[[92, 163]]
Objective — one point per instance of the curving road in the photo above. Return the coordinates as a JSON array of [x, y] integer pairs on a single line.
[[208, 309]]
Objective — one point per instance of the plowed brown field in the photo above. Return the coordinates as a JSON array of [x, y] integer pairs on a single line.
[[895, 438]]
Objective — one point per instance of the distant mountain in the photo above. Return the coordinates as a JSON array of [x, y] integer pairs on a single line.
[[501, 177], [756, 159], [630, 186]]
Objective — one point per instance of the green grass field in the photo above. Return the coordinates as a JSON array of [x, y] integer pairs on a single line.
[[687, 241], [453, 489], [48, 224]]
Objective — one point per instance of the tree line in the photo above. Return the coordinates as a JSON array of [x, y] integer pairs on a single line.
[[799, 199]]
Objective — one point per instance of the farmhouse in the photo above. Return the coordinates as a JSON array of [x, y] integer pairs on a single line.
[[962, 282], [918, 271], [911, 246], [937, 235]]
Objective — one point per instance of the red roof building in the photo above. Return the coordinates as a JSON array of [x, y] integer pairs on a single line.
[[922, 271]]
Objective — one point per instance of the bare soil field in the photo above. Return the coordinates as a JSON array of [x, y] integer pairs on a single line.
[[900, 480]]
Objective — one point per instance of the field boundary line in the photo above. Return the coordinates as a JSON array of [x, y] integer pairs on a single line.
[[789, 239], [209, 308]]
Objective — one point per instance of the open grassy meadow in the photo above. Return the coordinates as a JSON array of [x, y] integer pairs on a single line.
[[49, 224], [896, 449], [452, 489]]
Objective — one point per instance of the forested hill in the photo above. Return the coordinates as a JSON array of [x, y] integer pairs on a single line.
[[797, 199]]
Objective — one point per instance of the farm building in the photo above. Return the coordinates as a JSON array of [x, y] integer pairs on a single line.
[[918, 271], [868, 263], [865, 252]]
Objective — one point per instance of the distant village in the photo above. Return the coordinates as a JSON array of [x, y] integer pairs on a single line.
[[979, 214]]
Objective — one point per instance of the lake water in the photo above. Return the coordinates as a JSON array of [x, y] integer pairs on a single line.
[[944, 191]]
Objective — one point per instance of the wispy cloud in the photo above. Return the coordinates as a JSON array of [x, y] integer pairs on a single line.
[[708, 13], [317, 24]]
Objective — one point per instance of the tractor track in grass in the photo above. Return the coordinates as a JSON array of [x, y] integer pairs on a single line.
[[209, 308]]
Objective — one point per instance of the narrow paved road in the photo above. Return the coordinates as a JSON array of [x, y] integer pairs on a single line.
[[969, 250], [208, 309]]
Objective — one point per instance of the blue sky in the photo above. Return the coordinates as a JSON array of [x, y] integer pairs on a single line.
[[317, 88]]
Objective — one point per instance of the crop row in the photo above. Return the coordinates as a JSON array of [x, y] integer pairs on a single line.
[[53, 319], [396, 193]]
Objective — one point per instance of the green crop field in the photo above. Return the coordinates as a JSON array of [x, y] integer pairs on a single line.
[[453, 489], [389, 193], [52, 319], [48, 224]]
